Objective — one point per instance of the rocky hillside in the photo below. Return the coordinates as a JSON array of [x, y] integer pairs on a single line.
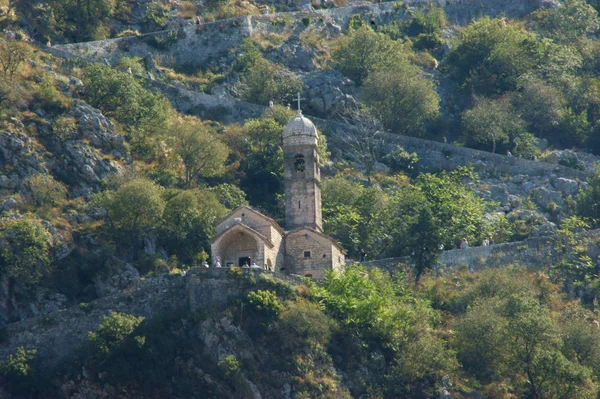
[[129, 128]]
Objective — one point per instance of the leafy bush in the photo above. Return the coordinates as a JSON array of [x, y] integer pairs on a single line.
[[263, 81], [400, 160], [120, 96], [363, 51], [302, 324], [25, 247], [264, 304], [135, 210], [401, 98], [231, 367], [45, 191], [50, 99], [22, 375], [112, 334]]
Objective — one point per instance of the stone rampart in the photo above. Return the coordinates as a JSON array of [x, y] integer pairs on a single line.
[[199, 46], [59, 335], [533, 253]]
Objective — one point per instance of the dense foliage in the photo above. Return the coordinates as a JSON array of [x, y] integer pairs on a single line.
[[499, 85]]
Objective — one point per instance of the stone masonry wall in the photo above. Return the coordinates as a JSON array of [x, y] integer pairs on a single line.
[[198, 46], [533, 253], [59, 335], [320, 253], [275, 256]]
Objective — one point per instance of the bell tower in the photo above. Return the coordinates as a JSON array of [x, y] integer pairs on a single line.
[[301, 174]]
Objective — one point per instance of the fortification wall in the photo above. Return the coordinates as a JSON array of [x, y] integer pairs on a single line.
[[533, 253], [58, 336], [198, 46]]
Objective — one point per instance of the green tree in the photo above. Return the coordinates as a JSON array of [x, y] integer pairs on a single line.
[[118, 95], [82, 19], [541, 105], [492, 122], [425, 239], [25, 250], [256, 149], [482, 339], [401, 98], [568, 23], [135, 210], [340, 214], [588, 198], [263, 80], [189, 220], [229, 196], [362, 51], [200, 150], [490, 56], [456, 209]]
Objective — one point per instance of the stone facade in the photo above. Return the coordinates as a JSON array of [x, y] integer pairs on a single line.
[[247, 236], [301, 175], [310, 253]]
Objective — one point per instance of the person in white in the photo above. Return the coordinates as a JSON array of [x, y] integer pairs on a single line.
[[485, 242], [464, 244]]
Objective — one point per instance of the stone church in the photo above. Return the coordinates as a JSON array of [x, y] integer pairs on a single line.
[[248, 236]]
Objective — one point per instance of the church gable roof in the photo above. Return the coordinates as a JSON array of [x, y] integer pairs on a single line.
[[305, 230], [267, 219], [241, 226]]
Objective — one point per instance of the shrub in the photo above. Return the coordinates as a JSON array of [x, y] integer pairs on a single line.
[[264, 81], [25, 246], [229, 195], [50, 99], [402, 99], [304, 323], [264, 304], [231, 367], [401, 160], [112, 334], [135, 209], [22, 374], [45, 191], [63, 126]]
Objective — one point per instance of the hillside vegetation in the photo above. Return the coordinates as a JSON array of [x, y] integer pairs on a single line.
[[105, 182]]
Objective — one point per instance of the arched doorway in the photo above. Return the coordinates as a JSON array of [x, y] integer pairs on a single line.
[[238, 247]]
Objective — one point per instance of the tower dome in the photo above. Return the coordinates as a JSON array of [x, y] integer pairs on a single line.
[[300, 131]]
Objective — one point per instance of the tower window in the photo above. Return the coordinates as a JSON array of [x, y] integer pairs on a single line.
[[298, 204], [299, 163], [307, 254]]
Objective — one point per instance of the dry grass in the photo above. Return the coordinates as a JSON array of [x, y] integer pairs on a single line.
[[269, 41], [317, 40], [232, 9], [187, 10], [201, 80]]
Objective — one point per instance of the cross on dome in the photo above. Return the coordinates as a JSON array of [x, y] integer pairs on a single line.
[[299, 110]]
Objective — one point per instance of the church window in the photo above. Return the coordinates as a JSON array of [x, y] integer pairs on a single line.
[[298, 204], [324, 255], [307, 254], [299, 163]]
